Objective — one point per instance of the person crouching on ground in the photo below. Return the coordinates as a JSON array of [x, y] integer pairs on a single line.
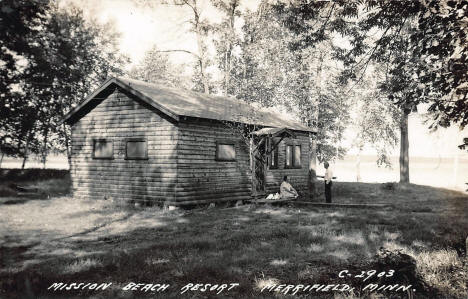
[[286, 190], [328, 181]]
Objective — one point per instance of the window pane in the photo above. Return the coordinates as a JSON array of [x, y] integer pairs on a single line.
[[226, 152], [136, 149], [272, 159], [288, 155], [103, 149], [297, 155]]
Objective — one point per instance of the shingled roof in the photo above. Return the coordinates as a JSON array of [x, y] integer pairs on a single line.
[[177, 103]]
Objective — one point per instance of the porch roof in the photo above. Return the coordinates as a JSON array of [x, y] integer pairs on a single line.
[[275, 132]]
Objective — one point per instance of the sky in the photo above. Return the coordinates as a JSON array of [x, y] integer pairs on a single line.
[[145, 23]]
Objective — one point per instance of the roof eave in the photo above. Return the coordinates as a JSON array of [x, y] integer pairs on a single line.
[[296, 129], [68, 118], [147, 99]]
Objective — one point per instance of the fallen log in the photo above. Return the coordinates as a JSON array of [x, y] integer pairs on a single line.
[[343, 205]]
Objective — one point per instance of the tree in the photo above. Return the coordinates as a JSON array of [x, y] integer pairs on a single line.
[[256, 74], [325, 107], [84, 53], [440, 40], [273, 71], [19, 129], [418, 42], [201, 28], [20, 22], [375, 121], [417, 64], [69, 57], [227, 38], [464, 145], [156, 67]]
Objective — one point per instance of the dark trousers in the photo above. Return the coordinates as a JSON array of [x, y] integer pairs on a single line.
[[328, 191]]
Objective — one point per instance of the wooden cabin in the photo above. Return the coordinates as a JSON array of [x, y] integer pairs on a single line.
[[140, 142]]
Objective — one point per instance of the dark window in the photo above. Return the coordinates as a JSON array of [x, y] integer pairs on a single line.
[[136, 149], [293, 156], [289, 157], [103, 149], [274, 159], [225, 151]]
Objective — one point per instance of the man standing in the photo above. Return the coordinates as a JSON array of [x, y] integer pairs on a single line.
[[328, 182], [287, 191]]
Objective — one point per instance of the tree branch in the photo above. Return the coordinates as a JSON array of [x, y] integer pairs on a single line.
[[377, 44], [183, 51]]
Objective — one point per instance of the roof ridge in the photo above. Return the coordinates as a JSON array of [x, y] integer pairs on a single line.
[[158, 85]]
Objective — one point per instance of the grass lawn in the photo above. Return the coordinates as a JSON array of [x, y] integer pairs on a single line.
[[65, 240]]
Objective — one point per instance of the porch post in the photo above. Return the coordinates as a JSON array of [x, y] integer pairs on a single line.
[[252, 166]]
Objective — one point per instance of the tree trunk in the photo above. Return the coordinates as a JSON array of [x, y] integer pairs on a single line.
[[227, 66], [404, 147], [26, 150], [201, 51], [358, 166], [312, 166], [44, 147], [44, 160], [1, 159], [227, 70], [203, 77], [24, 162], [313, 123]]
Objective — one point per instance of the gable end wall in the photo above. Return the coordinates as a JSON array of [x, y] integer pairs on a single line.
[[116, 118]]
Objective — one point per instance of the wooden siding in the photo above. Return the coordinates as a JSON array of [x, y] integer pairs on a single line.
[[181, 165], [298, 177], [201, 177], [117, 118]]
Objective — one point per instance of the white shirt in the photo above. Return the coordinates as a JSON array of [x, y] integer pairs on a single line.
[[287, 190], [328, 175]]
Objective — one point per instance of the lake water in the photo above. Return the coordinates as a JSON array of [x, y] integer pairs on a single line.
[[437, 172]]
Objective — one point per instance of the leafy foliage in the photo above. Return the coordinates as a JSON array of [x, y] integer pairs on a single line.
[[227, 38], [20, 22], [423, 45], [70, 57], [273, 72], [442, 43], [201, 28], [156, 67], [375, 119], [420, 45]]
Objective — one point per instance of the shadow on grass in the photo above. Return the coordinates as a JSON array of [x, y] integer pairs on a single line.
[[249, 245], [15, 201], [95, 228], [20, 190]]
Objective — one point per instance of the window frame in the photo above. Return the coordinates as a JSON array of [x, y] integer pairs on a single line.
[[293, 156], [136, 139], [225, 142], [95, 140]]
